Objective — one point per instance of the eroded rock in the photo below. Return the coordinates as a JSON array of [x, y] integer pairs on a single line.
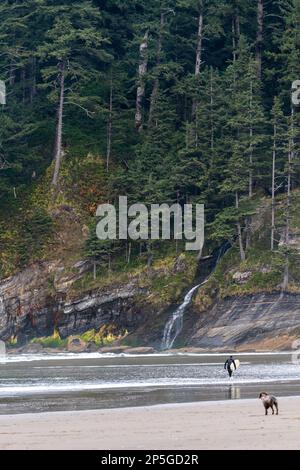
[[31, 306], [258, 322], [76, 345], [113, 349], [139, 351], [242, 278]]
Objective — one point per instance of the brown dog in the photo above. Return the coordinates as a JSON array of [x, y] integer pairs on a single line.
[[269, 401]]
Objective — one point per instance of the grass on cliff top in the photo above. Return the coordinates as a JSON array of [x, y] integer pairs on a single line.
[[264, 269], [167, 287], [160, 279], [48, 224], [59, 234]]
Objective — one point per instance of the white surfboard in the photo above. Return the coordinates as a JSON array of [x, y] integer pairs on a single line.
[[237, 363]]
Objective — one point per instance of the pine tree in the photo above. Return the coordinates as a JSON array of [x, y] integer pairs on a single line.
[[99, 252], [247, 121], [202, 73], [259, 36], [165, 11], [279, 123], [290, 56], [207, 25], [67, 59]]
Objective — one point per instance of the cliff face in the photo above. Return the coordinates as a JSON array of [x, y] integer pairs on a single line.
[[29, 309], [37, 301], [42, 299], [254, 322]]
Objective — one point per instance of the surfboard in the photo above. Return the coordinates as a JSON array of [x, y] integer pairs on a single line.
[[237, 363]]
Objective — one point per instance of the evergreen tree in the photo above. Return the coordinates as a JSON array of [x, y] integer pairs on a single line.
[[198, 79], [279, 123], [72, 40]]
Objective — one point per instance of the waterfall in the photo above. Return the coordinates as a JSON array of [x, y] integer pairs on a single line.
[[175, 323]]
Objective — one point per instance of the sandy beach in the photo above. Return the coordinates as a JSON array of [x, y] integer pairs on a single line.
[[239, 424]]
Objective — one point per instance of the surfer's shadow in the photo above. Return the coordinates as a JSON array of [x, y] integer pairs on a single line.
[[234, 392]]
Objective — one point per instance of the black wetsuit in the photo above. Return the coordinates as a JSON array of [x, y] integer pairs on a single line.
[[227, 365]]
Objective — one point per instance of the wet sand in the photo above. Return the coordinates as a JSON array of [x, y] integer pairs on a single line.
[[41, 384], [239, 424]]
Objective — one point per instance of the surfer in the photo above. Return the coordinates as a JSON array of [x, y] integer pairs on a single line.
[[229, 362]]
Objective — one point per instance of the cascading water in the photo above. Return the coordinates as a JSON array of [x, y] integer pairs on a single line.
[[175, 323]]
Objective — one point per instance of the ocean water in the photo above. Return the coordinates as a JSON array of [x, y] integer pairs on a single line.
[[36, 383]]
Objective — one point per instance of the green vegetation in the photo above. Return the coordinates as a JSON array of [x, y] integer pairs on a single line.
[[105, 336], [53, 341], [161, 280], [263, 269], [167, 286], [163, 101]]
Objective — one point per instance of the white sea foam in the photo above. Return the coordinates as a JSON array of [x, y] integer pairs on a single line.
[[47, 388], [73, 356], [134, 366]]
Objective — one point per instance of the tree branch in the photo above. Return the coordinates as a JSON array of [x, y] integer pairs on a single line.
[[89, 114]]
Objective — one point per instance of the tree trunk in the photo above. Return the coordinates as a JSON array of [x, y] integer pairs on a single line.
[[212, 127], [286, 273], [187, 135], [259, 36], [94, 270], [23, 85], [129, 253], [199, 45], [33, 79], [236, 33], [237, 25], [149, 254], [289, 178], [239, 231], [155, 89], [140, 94], [251, 143], [250, 183], [273, 188], [234, 55], [198, 57], [12, 72], [59, 126], [109, 125], [288, 202], [248, 233]]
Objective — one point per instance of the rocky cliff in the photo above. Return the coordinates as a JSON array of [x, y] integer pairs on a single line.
[[254, 322], [41, 299], [29, 309]]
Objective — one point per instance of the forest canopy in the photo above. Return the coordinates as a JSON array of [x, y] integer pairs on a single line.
[[184, 101]]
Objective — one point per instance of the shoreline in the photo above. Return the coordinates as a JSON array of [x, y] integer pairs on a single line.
[[169, 426], [158, 405], [58, 354]]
